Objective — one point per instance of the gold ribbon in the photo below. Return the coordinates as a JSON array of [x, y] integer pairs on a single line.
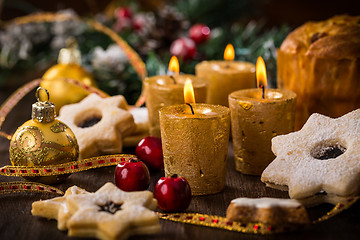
[[65, 168]]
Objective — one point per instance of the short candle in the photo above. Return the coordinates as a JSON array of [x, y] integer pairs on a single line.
[[195, 146], [167, 90], [255, 120], [224, 77], [195, 141]]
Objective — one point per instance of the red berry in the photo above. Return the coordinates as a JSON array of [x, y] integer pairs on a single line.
[[149, 150], [199, 33], [172, 193], [123, 12], [184, 48], [132, 175]]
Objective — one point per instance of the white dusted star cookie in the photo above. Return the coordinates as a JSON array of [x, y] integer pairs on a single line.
[[111, 213], [99, 124], [319, 163], [56, 208]]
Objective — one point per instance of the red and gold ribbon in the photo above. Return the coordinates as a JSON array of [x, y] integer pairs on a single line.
[[65, 168], [13, 187]]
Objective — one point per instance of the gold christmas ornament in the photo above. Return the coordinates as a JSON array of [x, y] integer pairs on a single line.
[[43, 140], [69, 66]]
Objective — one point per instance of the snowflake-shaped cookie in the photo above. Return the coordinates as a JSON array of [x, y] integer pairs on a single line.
[[99, 124], [111, 213], [56, 208], [320, 160]]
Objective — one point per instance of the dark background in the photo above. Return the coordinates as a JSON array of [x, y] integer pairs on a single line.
[[276, 12]]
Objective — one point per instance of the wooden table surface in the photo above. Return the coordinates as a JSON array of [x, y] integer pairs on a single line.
[[16, 221]]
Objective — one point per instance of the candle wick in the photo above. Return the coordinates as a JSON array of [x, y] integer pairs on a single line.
[[192, 110], [263, 90], [173, 78]]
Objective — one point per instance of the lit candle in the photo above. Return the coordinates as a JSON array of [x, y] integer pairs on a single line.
[[195, 140], [167, 90], [258, 115], [224, 77]]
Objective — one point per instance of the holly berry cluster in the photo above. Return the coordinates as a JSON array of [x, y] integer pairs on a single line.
[[125, 19], [185, 47], [172, 193]]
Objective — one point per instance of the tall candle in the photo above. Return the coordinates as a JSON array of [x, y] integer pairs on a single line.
[[258, 115], [224, 77], [167, 90], [195, 144]]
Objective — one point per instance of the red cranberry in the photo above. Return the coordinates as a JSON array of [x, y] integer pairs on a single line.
[[183, 48], [172, 193], [149, 150], [132, 175], [199, 33]]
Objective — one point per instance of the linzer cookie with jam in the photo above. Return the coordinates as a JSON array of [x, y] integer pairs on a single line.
[[107, 214], [111, 213], [99, 124], [320, 163]]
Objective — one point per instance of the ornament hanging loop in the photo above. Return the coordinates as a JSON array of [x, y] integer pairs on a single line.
[[38, 94], [43, 112]]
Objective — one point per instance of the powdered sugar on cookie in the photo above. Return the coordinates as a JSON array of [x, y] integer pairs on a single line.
[[99, 124], [266, 202], [322, 156]]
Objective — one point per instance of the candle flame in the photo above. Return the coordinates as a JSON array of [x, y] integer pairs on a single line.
[[174, 65], [261, 78], [229, 53], [189, 95]]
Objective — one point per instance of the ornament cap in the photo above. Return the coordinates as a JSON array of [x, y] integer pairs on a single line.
[[70, 54], [43, 112]]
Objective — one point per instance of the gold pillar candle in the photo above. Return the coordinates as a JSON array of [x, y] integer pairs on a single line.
[[258, 115], [165, 90], [195, 146], [224, 77], [255, 121]]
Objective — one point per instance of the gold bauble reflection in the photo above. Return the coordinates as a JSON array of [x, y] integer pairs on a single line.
[[42, 144], [62, 92]]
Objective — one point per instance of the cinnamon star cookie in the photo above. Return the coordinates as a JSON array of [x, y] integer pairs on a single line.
[[319, 163]]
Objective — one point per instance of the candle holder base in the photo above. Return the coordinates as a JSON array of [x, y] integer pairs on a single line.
[[245, 167], [202, 185]]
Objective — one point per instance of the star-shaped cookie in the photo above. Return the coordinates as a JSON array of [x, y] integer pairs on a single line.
[[111, 213], [320, 162], [99, 124], [56, 208]]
